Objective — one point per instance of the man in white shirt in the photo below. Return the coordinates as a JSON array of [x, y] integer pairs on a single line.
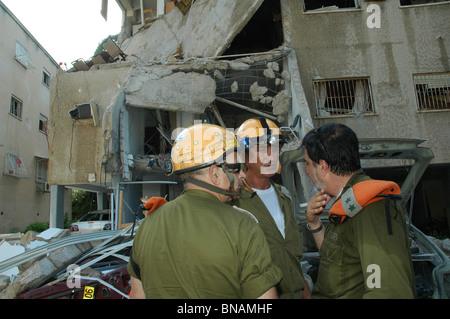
[[271, 204]]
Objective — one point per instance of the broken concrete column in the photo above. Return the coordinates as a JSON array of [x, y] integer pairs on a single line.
[[44, 269], [181, 92]]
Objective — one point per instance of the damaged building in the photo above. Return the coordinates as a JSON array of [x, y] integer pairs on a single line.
[[116, 121], [300, 63], [115, 116]]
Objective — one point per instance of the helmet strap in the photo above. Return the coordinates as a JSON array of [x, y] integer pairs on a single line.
[[232, 193]]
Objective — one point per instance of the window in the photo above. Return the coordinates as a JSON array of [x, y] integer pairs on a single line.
[[14, 166], [16, 107], [342, 97], [327, 5], [41, 170], [42, 185], [46, 78], [22, 55], [432, 91], [415, 2], [43, 120]]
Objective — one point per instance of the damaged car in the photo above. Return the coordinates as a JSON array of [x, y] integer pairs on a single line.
[[431, 264]]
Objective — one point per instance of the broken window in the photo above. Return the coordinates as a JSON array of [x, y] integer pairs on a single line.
[[415, 2], [342, 97], [432, 91], [16, 107], [309, 5], [43, 120], [263, 32]]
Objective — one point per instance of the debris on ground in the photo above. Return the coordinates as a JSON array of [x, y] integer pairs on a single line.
[[56, 264]]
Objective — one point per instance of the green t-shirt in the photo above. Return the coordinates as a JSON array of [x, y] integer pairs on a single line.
[[198, 247], [360, 259], [286, 251]]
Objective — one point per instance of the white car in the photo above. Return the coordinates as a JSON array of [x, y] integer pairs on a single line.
[[96, 220]]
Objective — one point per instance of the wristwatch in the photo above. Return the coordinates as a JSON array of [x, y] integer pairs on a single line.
[[315, 230]]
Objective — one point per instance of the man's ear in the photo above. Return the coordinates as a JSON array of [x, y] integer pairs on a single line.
[[324, 168], [214, 174]]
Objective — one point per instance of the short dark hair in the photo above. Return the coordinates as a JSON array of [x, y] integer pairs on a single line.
[[337, 145]]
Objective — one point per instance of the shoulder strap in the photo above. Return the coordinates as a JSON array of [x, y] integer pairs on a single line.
[[136, 268], [359, 196]]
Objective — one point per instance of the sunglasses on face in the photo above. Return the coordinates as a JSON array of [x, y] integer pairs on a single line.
[[232, 168]]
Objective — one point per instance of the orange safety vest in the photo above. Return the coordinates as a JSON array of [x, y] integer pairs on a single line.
[[361, 195]]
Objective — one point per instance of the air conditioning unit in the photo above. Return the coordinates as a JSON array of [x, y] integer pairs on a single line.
[[85, 111], [43, 187]]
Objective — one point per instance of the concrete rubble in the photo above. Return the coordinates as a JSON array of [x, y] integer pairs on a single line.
[[29, 261]]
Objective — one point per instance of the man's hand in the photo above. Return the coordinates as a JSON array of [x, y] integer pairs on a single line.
[[315, 207]]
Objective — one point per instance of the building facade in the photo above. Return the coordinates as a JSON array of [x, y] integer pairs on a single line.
[[380, 67], [26, 72]]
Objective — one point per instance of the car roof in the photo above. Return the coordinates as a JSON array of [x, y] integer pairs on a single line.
[[399, 148], [104, 211]]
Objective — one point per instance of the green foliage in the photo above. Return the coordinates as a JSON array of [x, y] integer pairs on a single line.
[[38, 227], [82, 203]]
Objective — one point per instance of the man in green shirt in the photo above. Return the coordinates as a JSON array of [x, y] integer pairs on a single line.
[[271, 204], [198, 246], [364, 250]]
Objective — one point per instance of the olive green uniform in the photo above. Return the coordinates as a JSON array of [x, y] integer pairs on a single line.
[[199, 247], [360, 259], [286, 251]]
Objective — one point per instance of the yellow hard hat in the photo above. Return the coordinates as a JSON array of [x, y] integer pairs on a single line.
[[201, 145], [257, 131]]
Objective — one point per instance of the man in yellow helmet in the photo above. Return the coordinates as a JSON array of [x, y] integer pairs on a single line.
[[198, 246], [271, 203]]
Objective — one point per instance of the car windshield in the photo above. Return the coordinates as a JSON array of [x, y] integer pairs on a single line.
[[94, 217]]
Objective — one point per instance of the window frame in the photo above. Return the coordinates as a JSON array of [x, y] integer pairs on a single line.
[[344, 99], [16, 110], [422, 4], [319, 10], [41, 117], [46, 78], [22, 55], [429, 99], [41, 170]]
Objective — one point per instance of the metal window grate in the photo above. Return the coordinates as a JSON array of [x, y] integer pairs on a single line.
[[432, 91], [23, 56], [350, 96], [14, 166], [41, 170]]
